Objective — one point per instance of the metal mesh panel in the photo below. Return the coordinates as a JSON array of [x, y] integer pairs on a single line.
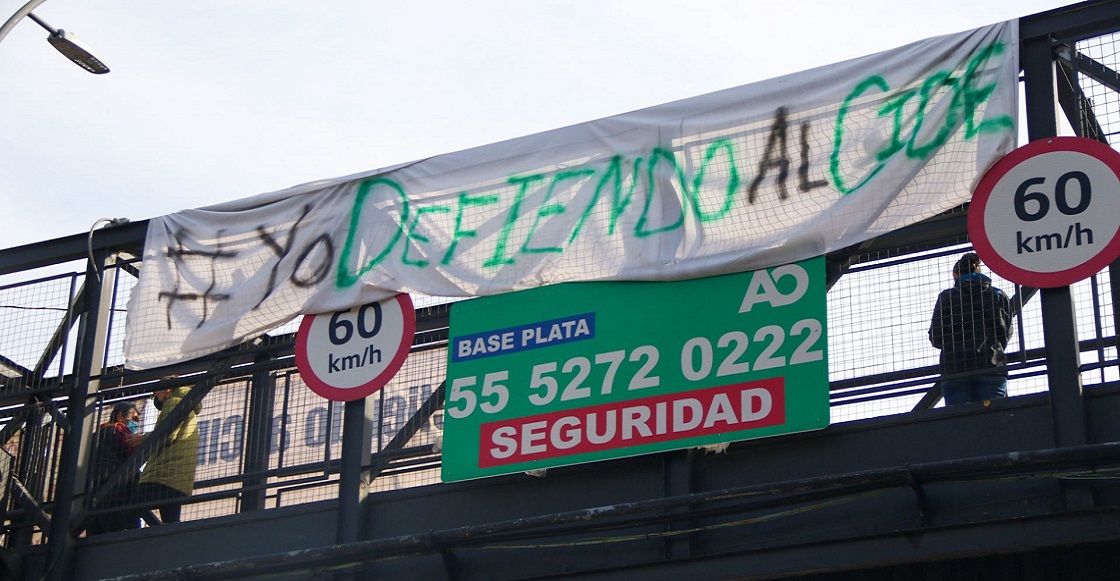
[[1101, 107], [1102, 103], [124, 279], [37, 342]]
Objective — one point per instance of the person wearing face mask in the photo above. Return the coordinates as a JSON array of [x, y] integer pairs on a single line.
[[169, 474], [116, 440]]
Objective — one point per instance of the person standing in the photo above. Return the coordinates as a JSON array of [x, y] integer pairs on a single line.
[[116, 440], [971, 326], [169, 474]]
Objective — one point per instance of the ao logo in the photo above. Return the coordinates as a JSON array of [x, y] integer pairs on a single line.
[[763, 287]]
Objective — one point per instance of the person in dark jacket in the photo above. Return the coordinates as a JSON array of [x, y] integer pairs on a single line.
[[971, 326], [117, 439]]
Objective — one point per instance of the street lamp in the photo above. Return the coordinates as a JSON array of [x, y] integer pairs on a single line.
[[72, 48], [64, 42]]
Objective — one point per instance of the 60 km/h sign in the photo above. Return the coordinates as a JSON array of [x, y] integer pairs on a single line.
[[348, 355], [1048, 214]]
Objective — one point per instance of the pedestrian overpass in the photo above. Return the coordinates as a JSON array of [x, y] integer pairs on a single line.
[[290, 485]]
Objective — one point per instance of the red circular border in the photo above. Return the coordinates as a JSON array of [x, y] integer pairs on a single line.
[[983, 192], [408, 314]]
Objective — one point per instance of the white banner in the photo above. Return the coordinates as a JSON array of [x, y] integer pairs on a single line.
[[741, 179]]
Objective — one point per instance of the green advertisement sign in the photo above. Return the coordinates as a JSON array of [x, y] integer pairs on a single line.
[[579, 372]]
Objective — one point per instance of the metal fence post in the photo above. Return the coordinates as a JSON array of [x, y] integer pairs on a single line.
[[258, 435], [1067, 406], [353, 485], [60, 545]]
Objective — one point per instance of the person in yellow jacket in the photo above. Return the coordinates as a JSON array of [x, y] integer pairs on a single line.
[[169, 473]]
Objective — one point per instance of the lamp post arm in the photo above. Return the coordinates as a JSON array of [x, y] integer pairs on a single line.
[[11, 23], [40, 22]]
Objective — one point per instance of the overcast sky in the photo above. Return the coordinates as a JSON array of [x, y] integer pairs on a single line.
[[210, 101]]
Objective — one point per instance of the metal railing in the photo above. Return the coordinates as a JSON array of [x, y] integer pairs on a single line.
[[265, 440]]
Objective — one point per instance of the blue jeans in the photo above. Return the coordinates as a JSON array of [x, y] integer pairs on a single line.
[[976, 388]]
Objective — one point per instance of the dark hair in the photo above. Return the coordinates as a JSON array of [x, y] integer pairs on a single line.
[[121, 408], [968, 263]]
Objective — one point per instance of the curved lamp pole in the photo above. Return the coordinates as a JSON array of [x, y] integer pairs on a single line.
[[62, 41]]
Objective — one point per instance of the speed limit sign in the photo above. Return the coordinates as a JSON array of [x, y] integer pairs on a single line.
[[1048, 214], [348, 355]]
